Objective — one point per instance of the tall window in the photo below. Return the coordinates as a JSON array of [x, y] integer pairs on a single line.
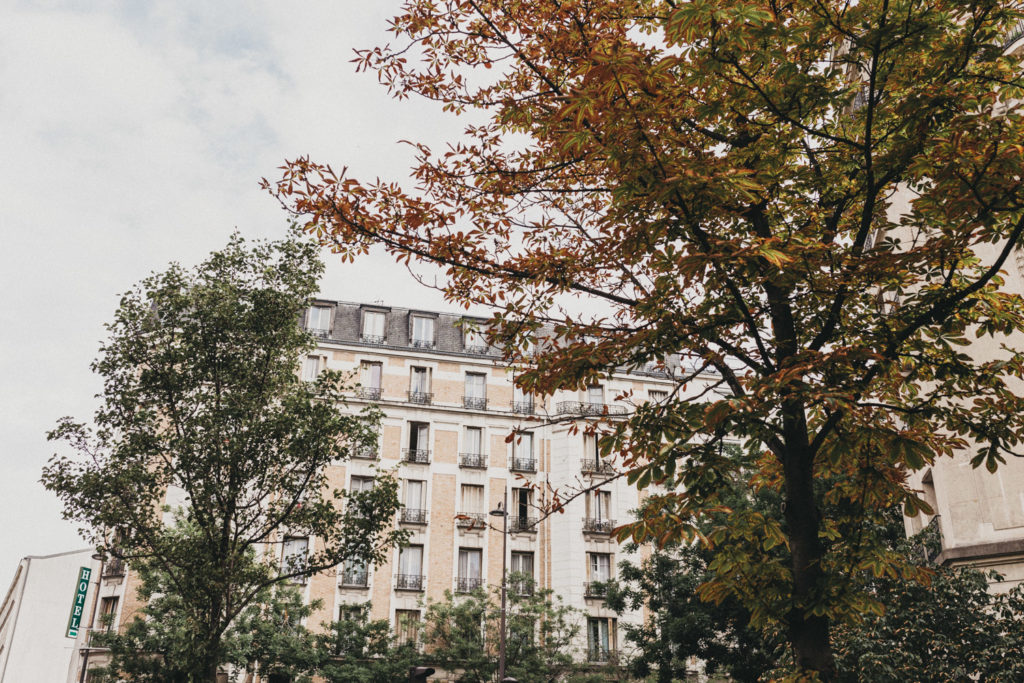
[[355, 573], [470, 563], [407, 626], [599, 505], [318, 319], [311, 368], [522, 563], [410, 567], [522, 402], [422, 331], [419, 436], [373, 327], [415, 494], [524, 445], [369, 377], [419, 385], [600, 638], [520, 509], [293, 556], [472, 499], [474, 340], [108, 612], [476, 390], [359, 484], [600, 566], [474, 440], [595, 394]]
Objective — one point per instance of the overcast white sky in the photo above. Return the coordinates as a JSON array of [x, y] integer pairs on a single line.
[[135, 133]]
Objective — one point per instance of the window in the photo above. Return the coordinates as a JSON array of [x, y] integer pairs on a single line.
[[422, 331], [369, 379], [472, 498], [359, 506], [360, 484], [600, 638], [355, 574], [600, 566], [293, 556], [318, 320], [595, 395], [522, 402], [474, 440], [522, 563], [415, 510], [476, 391], [520, 510], [410, 568], [311, 368], [108, 612], [599, 504], [407, 626], [419, 386], [470, 563], [657, 396], [419, 443], [522, 453], [351, 612], [473, 340], [373, 327]]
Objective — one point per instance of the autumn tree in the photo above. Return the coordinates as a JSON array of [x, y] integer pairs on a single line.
[[208, 451], [810, 203]]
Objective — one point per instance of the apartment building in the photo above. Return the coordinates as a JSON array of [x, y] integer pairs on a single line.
[[464, 440]]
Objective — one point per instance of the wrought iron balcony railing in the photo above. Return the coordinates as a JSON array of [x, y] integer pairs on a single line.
[[593, 525], [588, 409], [424, 398], [524, 464], [473, 460], [355, 579], [372, 339], [114, 567], [471, 520], [319, 332], [474, 402], [412, 516], [598, 654], [478, 349], [520, 524], [417, 455], [365, 452], [522, 407], [595, 589], [409, 582], [521, 587], [465, 584], [422, 343], [596, 466], [369, 393]]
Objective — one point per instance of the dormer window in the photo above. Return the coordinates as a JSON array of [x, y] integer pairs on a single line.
[[473, 340], [373, 327], [318, 320], [422, 332]]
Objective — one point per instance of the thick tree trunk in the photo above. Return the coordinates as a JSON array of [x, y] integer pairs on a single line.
[[808, 635]]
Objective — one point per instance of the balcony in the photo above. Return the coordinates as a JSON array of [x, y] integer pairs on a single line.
[[423, 398], [522, 525], [598, 655], [423, 343], [595, 589], [588, 409], [467, 585], [471, 520], [412, 516], [417, 455], [113, 568], [365, 452], [409, 582], [476, 461], [596, 466], [1014, 34], [474, 402], [598, 526], [372, 339], [355, 579], [523, 465], [369, 393], [522, 407], [523, 588], [478, 349], [319, 332]]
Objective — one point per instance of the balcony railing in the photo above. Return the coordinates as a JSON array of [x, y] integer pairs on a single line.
[[355, 579], [521, 587], [372, 339], [467, 584], [365, 452], [474, 402], [474, 460], [588, 409], [596, 466], [412, 516], [522, 407], [478, 349], [592, 525], [598, 654], [114, 567], [409, 582], [521, 524], [422, 343], [471, 520], [369, 393], [418, 455], [421, 397], [319, 332], [595, 589], [524, 464], [1014, 34]]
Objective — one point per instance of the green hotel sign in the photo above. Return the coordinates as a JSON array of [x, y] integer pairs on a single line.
[[78, 606]]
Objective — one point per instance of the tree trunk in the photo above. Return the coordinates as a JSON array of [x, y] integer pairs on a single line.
[[808, 635]]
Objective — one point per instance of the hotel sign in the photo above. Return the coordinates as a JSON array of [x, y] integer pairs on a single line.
[[78, 606]]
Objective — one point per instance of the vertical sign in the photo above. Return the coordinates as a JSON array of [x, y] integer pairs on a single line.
[[78, 606]]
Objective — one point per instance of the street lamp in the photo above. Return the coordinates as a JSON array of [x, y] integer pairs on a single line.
[[502, 511]]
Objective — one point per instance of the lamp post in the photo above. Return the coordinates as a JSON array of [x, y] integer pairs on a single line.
[[502, 511]]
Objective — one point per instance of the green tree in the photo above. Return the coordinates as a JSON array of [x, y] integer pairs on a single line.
[[810, 202], [462, 634], [356, 649], [202, 404]]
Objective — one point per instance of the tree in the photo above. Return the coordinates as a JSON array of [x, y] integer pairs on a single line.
[[810, 203], [461, 634], [204, 419], [356, 649]]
